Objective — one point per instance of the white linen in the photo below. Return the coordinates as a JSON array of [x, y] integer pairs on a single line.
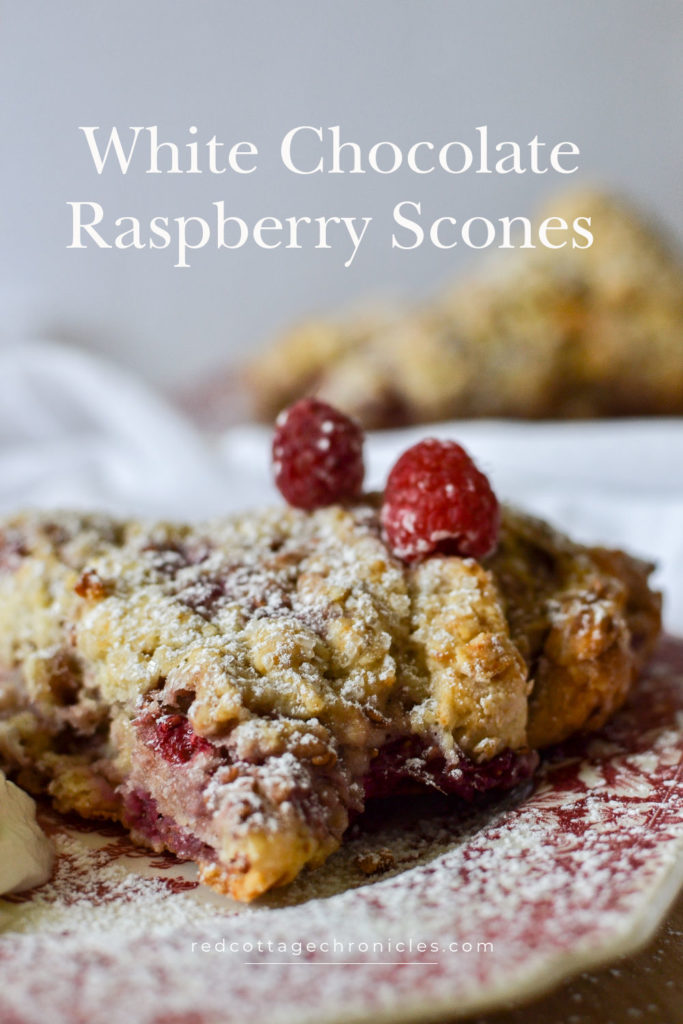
[[77, 430]]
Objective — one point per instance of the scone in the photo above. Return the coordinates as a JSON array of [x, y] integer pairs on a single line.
[[566, 333], [235, 691]]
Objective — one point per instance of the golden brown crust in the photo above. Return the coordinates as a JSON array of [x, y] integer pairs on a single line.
[[584, 618], [643, 605]]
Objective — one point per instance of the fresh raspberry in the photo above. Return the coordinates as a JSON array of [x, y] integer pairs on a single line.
[[317, 455], [436, 500], [176, 741]]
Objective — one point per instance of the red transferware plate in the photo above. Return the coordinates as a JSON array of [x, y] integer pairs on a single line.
[[427, 912]]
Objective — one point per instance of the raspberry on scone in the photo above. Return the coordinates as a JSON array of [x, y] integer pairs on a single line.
[[437, 502], [317, 455]]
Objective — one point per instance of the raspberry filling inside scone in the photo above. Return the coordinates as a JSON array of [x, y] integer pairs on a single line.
[[236, 691]]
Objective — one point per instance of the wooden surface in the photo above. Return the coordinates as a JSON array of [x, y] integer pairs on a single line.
[[643, 989]]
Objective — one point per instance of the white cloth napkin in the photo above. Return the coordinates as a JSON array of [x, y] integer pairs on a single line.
[[76, 430]]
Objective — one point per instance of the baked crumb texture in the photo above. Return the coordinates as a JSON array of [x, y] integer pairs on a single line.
[[552, 334], [233, 691]]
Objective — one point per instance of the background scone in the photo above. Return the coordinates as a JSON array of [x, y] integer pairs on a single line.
[[572, 332]]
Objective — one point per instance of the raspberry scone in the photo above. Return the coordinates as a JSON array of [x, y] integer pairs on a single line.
[[235, 691], [232, 692], [565, 333]]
